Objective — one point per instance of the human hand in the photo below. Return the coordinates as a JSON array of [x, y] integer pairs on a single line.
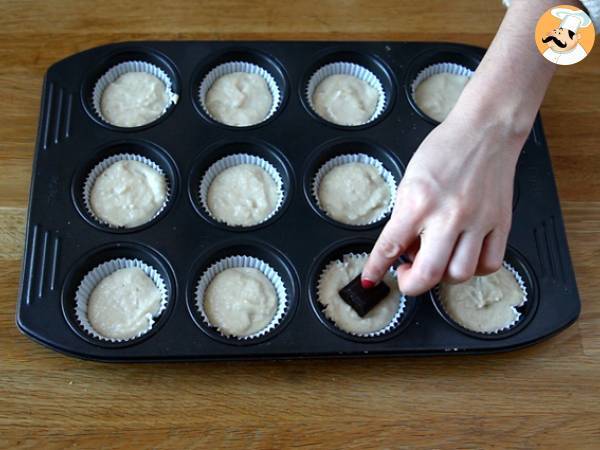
[[453, 207]]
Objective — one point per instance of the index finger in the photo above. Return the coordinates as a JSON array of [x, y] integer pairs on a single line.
[[395, 238]]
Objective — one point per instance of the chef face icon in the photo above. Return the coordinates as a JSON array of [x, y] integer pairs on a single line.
[[563, 35], [561, 40]]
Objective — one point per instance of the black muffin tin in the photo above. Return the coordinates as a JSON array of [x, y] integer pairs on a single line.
[[63, 243]]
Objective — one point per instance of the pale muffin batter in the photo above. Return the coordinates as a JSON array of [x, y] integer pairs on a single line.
[[128, 194], [123, 304], [337, 275], [243, 195], [240, 301], [438, 94], [239, 99], [484, 304], [134, 99], [354, 194], [345, 100]]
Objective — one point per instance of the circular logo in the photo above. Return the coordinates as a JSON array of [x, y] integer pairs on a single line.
[[564, 35]]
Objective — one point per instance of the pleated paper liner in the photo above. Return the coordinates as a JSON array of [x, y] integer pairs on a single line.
[[238, 261], [236, 160], [509, 326], [125, 67], [245, 67], [395, 320], [355, 70], [434, 69], [96, 275], [361, 158], [104, 165]]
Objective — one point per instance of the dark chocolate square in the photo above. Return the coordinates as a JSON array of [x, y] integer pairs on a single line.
[[363, 300]]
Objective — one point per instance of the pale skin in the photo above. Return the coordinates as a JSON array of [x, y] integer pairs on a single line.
[[453, 207]]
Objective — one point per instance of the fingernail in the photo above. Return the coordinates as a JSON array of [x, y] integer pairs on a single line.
[[367, 284]]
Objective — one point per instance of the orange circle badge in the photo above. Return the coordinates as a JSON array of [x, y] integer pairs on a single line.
[[564, 35]]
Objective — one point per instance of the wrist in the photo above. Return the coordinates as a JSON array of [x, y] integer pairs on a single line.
[[489, 131], [502, 118]]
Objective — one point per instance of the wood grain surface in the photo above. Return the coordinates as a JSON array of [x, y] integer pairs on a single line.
[[546, 396]]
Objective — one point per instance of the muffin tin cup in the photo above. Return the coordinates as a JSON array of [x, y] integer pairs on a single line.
[[105, 164], [239, 261], [125, 67], [96, 275], [356, 158], [510, 326], [239, 66], [394, 322], [353, 69], [236, 160], [434, 69]]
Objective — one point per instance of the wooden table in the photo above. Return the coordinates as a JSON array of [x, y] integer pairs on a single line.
[[544, 396]]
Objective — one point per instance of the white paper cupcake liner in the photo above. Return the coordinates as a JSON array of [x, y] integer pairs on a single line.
[[248, 262], [347, 68], [356, 158], [394, 322], [434, 69], [239, 66], [105, 164], [236, 160], [97, 274], [130, 66], [523, 288]]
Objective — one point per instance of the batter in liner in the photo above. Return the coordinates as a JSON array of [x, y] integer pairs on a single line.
[[437, 95], [128, 194], [354, 194], [243, 195], [345, 100], [134, 99], [338, 274], [123, 304], [240, 301], [484, 304], [239, 99]]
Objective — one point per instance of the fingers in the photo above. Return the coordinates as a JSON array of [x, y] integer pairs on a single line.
[[429, 266], [397, 236], [463, 263], [492, 252], [411, 252], [445, 254]]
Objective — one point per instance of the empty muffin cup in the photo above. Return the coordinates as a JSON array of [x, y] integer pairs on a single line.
[[145, 320], [438, 105], [382, 319], [510, 313], [366, 207], [147, 212], [362, 110], [237, 115], [256, 199], [140, 108], [238, 316]]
